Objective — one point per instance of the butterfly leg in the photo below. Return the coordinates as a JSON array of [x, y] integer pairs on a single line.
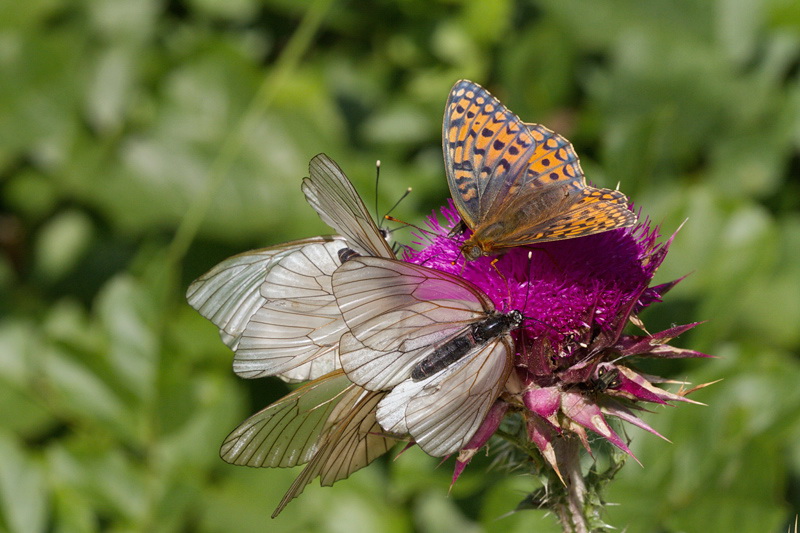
[[508, 288]]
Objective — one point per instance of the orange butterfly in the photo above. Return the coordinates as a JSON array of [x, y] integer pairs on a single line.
[[516, 184]]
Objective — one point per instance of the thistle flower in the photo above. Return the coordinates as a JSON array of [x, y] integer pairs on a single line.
[[573, 366]]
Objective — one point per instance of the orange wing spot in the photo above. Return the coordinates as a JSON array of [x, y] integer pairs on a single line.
[[537, 135], [464, 180], [468, 195], [539, 164], [479, 100], [452, 135], [505, 139], [482, 142], [489, 108]]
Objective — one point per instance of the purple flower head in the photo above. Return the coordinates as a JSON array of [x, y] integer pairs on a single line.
[[572, 359]]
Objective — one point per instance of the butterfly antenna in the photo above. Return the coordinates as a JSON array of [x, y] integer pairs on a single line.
[[536, 248], [530, 275], [377, 180], [408, 191], [527, 295], [408, 224]]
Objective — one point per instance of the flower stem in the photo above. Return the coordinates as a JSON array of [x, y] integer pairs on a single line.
[[570, 510]]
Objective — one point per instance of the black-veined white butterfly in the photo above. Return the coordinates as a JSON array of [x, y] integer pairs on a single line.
[[276, 308], [431, 338], [328, 423]]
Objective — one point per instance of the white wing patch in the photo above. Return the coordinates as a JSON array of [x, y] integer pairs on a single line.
[[286, 433], [329, 424], [397, 313], [230, 293], [351, 441], [443, 411], [296, 331], [338, 204]]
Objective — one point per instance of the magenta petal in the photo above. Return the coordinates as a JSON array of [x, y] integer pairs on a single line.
[[654, 294], [626, 415], [544, 402], [481, 437], [589, 415], [664, 351], [541, 433], [637, 387], [657, 338]]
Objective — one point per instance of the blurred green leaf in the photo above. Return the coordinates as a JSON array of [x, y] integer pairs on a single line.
[[23, 500], [62, 242], [128, 315]]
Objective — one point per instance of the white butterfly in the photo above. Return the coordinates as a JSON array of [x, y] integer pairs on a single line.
[[433, 338], [275, 307], [328, 423]]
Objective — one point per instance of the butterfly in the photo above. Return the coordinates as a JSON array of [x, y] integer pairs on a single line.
[[516, 184], [275, 307], [433, 340], [328, 424]]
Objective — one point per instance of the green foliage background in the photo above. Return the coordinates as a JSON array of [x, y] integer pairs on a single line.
[[143, 141]]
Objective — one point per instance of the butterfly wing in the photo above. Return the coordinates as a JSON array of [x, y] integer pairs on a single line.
[[444, 411], [338, 204], [490, 153], [507, 177], [594, 211], [352, 441], [295, 333], [286, 433], [398, 313], [229, 294]]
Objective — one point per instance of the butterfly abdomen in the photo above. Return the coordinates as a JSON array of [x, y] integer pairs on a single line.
[[345, 254], [443, 356], [479, 333]]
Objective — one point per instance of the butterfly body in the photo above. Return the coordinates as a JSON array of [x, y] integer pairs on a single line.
[[495, 325], [432, 340], [515, 184]]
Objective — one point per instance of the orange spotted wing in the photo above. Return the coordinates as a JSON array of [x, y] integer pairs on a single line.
[[516, 184]]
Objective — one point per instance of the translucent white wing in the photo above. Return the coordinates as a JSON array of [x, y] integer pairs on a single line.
[[229, 294], [354, 439], [286, 433], [338, 204], [295, 333], [444, 411], [397, 313]]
